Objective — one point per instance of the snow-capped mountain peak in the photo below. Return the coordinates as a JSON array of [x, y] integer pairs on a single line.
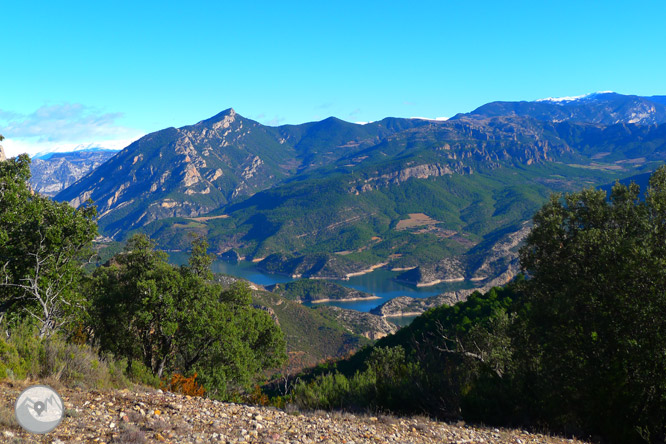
[[573, 98], [70, 148]]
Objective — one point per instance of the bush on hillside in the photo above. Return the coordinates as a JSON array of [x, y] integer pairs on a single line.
[[177, 320], [23, 354]]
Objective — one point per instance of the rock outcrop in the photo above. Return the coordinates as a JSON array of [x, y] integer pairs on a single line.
[[365, 324]]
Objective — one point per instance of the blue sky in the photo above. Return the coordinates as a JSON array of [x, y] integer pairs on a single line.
[[105, 73]]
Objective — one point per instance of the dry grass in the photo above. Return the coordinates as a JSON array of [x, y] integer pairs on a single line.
[[387, 419], [134, 416], [158, 425], [7, 418], [204, 219], [131, 435], [416, 220]]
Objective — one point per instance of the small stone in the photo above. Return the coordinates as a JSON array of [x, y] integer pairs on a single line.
[[8, 434], [159, 437], [157, 412]]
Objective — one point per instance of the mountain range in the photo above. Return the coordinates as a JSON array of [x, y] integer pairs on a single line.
[[444, 201], [53, 172]]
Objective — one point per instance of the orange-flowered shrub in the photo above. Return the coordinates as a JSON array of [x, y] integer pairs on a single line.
[[182, 384]]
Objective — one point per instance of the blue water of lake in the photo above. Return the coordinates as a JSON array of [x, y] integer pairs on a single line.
[[380, 282]]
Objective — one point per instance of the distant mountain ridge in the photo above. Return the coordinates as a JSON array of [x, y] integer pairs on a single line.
[[606, 108], [436, 199], [46, 155], [53, 172]]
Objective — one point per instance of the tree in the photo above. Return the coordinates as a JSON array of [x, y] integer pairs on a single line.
[[42, 243], [175, 319], [596, 329]]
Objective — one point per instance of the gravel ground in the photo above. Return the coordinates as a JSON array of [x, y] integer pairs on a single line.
[[121, 416]]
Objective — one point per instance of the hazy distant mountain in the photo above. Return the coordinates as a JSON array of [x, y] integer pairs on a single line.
[[606, 108], [53, 172], [332, 198]]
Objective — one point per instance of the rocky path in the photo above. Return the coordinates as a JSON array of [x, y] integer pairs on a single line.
[[152, 416]]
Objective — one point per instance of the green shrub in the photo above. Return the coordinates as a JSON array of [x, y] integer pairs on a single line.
[[141, 374], [23, 354]]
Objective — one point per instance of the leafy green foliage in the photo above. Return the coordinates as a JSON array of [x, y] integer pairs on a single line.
[[42, 244], [175, 320], [597, 323]]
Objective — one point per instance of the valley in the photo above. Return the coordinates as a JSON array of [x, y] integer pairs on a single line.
[[352, 237], [442, 203], [333, 222]]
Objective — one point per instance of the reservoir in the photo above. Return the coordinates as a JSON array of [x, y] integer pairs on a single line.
[[380, 282]]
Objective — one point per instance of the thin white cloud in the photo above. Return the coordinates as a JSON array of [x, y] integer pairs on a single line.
[[439, 119], [276, 121], [62, 126]]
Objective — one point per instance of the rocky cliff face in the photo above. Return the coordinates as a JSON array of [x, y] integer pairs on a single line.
[[2, 154], [369, 325], [412, 172], [51, 175]]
